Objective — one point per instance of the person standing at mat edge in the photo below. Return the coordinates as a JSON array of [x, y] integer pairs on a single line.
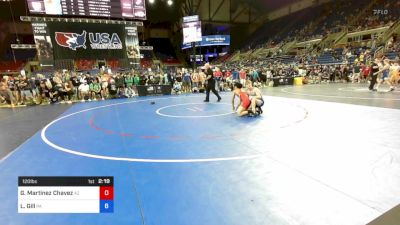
[[374, 75], [210, 83]]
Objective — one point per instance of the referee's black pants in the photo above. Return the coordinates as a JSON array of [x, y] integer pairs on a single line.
[[211, 87], [373, 81]]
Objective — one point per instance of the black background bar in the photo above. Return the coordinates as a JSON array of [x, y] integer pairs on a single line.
[[65, 181]]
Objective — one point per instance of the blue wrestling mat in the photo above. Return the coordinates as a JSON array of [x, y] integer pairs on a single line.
[[176, 162]]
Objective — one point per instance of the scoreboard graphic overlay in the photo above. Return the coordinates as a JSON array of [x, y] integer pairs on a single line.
[[65, 194]]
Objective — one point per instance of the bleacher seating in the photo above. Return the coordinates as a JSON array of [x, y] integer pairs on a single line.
[[84, 64], [146, 63], [392, 55], [113, 63], [328, 58], [11, 66], [172, 62], [67, 64], [275, 39], [277, 30]]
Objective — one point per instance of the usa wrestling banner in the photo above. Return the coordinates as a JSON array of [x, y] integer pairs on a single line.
[[87, 41]]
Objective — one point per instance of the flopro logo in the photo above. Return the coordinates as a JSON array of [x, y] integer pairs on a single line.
[[101, 41]]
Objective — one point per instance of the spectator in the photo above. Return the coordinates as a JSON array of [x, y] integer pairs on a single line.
[[129, 92], [112, 88], [95, 90], [186, 82], [26, 91], [44, 91], [75, 81], [136, 80], [84, 91], [119, 81], [6, 93], [235, 75], [217, 77], [67, 92], [195, 81], [243, 76], [128, 80]]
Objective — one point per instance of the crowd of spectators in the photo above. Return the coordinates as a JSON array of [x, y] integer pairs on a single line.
[[382, 13], [68, 86], [355, 66]]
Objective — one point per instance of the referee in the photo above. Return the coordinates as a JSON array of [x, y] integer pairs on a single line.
[[374, 74], [210, 83]]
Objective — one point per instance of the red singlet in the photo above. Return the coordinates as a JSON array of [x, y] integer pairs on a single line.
[[244, 98]]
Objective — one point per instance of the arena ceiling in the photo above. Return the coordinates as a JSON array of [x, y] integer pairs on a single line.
[[18, 7], [232, 11], [158, 12]]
